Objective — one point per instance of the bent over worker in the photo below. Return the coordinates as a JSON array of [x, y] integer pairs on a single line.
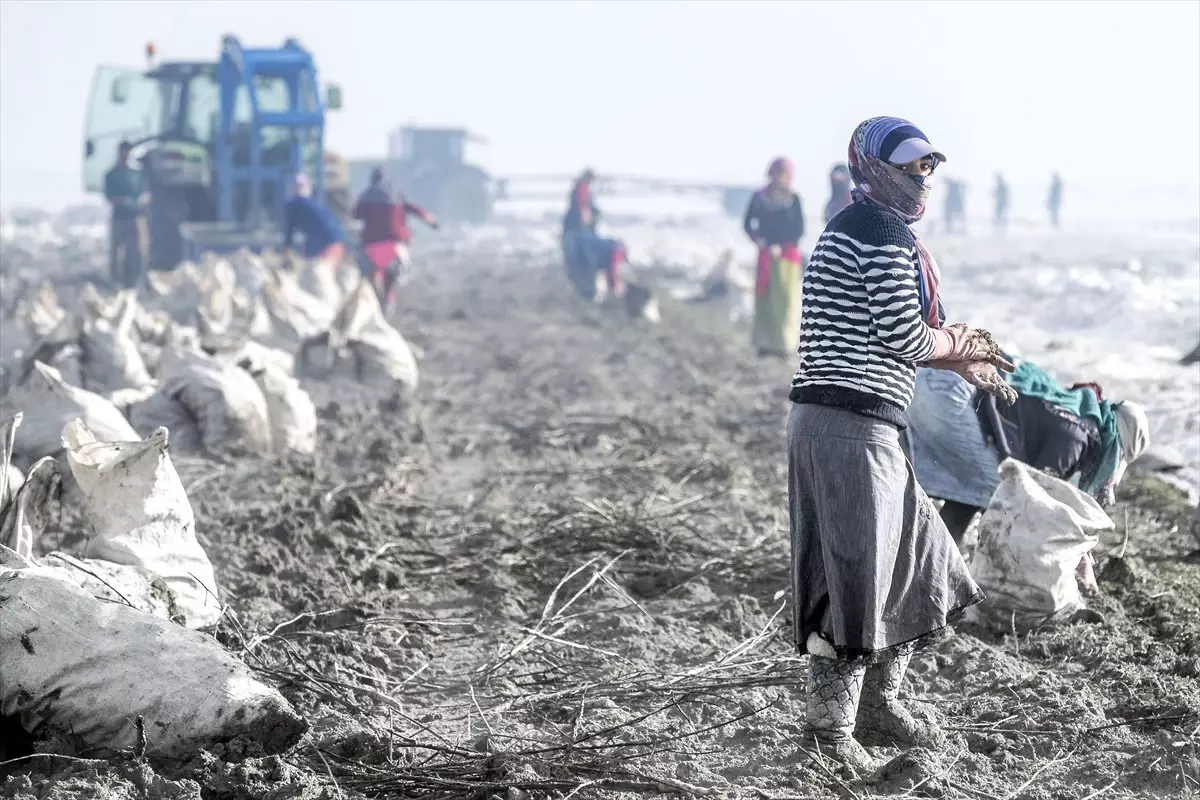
[[324, 238]]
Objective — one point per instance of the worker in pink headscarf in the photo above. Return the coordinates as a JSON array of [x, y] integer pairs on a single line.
[[775, 221]]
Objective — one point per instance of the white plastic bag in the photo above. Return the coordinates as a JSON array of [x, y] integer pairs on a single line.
[[226, 403], [141, 518], [1031, 539], [49, 403], [74, 665]]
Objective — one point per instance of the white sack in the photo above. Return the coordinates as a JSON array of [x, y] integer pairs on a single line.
[[361, 346], [111, 360], [87, 669], [141, 517], [226, 403], [318, 278], [42, 314], [25, 517], [49, 403], [11, 478], [176, 292], [153, 410], [1031, 538], [261, 354], [295, 314], [291, 411]]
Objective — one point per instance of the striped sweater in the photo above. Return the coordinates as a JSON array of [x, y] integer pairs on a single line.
[[861, 330]]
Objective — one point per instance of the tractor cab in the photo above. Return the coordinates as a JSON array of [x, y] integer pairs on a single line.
[[218, 143]]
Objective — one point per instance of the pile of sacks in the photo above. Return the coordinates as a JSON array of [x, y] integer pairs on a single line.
[[101, 650], [213, 352], [105, 646]]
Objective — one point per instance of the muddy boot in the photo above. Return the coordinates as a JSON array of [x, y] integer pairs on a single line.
[[834, 686], [882, 720]]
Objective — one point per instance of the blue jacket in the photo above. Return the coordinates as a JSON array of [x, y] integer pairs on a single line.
[[320, 228]]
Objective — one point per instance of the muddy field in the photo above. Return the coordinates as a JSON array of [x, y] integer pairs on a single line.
[[559, 571]]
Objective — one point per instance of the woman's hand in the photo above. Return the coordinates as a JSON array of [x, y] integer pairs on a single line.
[[980, 374], [986, 349], [962, 344]]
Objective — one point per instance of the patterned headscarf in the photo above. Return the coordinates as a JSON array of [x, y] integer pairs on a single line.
[[877, 181]]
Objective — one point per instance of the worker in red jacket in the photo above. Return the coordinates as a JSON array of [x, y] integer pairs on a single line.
[[386, 235]]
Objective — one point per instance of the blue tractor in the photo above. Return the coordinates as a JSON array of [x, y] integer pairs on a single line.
[[218, 143]]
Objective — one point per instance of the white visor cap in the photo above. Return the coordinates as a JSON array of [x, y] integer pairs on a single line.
[[911, 149]]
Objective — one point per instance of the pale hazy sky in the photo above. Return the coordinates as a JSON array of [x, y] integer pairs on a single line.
[[1108, 92]]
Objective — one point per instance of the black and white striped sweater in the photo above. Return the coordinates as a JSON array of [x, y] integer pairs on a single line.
[[861, 329]]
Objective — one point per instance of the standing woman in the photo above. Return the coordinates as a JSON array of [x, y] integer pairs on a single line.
[[875, 573], [775, 221]]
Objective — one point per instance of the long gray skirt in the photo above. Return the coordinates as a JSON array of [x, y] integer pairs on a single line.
[[873, 565]]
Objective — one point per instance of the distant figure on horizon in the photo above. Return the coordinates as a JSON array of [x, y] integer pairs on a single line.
[[956, 206], [1055, 200], [839, 191], [775, 222], [125, 190], [1002, 198]]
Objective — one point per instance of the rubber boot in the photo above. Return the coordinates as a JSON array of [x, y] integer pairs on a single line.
[[882, 720], [834, 687]]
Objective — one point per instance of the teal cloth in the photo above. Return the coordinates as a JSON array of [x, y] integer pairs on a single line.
[[1030, 380]]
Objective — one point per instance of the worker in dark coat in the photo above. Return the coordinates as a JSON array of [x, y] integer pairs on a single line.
[[126, 191], [324, 238]]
